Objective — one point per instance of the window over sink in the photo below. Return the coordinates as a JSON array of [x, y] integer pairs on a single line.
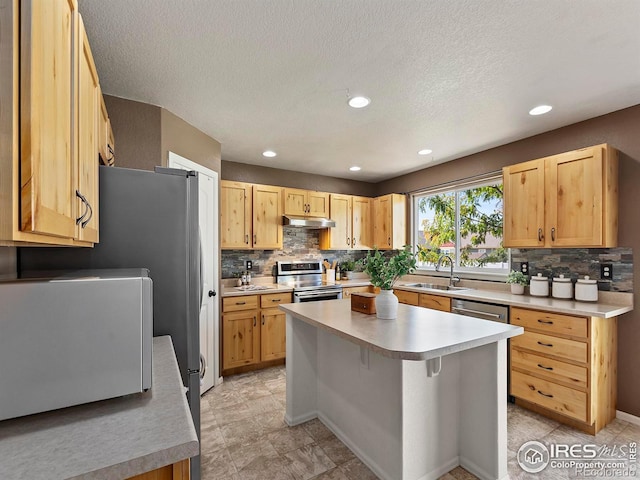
[[463, 220]]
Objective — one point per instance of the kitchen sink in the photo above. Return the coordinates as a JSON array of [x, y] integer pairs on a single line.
[[433, 286]]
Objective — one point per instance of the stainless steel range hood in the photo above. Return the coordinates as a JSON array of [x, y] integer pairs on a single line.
[[307, 222]]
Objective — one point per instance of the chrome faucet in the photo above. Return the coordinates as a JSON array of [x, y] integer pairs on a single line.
[[452, 280]]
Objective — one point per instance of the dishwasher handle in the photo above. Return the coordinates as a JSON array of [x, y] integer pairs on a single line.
[[477, 313]]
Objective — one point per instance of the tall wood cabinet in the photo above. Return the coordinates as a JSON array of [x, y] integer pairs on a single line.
[[390, 222], [49, 155], [250, 216], [353, 228], [565, 200]]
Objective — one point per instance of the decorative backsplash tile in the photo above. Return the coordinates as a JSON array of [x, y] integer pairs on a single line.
[[298, 244], [578, 262]]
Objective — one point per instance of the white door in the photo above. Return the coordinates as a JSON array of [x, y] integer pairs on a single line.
[[209, 314]]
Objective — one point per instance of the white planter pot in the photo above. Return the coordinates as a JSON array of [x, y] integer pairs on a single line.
[[386, 305], [517, 289]]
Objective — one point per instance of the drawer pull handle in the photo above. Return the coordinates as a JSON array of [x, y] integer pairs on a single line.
[[241, 303], [545, 394], [546, 368], [275, 299], [545, 344], [546, 322]]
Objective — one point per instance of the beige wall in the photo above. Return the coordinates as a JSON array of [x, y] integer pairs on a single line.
[[136, 130], [619, 129], [179, 137], [144, 134], [242, 172]]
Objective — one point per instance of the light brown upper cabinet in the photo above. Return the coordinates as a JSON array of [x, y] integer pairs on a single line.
[[353, 228], [565, 200], [40, 53], [88, 105], [306, 203], [390, 222], [105, 135], [250, 216]]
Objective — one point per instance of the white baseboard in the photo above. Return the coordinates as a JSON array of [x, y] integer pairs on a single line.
[[475, 469], [627, 417], [292, 422]]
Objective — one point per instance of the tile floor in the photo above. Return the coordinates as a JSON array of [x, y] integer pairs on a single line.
[[244, 437]]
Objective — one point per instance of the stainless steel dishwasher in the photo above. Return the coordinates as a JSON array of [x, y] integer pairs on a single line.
[[486, 311]]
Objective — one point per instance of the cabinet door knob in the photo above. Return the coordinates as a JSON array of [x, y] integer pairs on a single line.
[[353, 242], [263, 319], [212, 293], [553, 234], [540, 236], [348, 241], [246, 239], [389, 241], [255, 238], [254, 320]]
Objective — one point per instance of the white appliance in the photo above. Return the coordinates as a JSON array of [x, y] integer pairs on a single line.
[[73, 339]]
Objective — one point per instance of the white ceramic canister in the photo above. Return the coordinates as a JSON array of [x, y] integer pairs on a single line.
[[562, 287], [587, 290], [539, 286]]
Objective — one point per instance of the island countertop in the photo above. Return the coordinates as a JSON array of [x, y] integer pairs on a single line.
[[416, 334], [116, 438]]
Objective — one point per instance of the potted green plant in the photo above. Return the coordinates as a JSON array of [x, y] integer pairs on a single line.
[[518, 281], [346, 267], [384, 272]]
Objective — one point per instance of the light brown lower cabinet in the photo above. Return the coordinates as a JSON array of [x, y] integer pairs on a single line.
[[253, 332], [435, 302], [565, 367], [409, 298], [176, 471]]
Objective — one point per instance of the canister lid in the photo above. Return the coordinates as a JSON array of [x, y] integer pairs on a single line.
[[586, 280], [539, 277], [561, 279]]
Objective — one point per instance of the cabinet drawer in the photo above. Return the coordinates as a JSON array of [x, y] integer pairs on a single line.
[[244, 302], [564, 400], [548, 345], [274, 299], [551, 323], [347, 291], [410, 298], [435, 302], [555, 370]]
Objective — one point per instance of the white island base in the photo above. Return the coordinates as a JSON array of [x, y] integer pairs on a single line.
[[405, 419]]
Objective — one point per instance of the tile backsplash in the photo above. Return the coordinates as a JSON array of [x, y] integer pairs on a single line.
[[578, 262], [298, 244]]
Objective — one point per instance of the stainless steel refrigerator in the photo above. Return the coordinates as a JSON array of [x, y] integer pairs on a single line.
[[148, 220]]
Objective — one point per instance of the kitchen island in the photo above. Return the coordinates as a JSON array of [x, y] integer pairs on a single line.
[[110, 439], [412, 397]]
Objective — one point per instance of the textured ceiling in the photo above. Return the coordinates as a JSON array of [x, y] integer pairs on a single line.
[[454, 76]]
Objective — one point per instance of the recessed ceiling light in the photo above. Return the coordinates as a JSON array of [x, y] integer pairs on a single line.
[[359, 101], [355, 168], [424, 151], [269, 153], [540, 110]]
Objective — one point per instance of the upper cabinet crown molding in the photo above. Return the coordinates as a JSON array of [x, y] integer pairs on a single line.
[[305, 203], [565, 200]]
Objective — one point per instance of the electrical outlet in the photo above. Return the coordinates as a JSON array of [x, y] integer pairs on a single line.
[[524, 268], [606, 271], [248, 264]]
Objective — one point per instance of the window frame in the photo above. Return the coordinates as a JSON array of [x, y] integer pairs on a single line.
[[475, 273]]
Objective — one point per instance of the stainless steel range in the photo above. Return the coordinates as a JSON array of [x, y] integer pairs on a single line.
[[305, 277]]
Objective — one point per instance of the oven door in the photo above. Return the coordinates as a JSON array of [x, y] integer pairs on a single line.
[[316, 295]]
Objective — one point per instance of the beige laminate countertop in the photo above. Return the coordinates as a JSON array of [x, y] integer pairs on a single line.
[[113, 439], [571, 307], [416, 334], [265, 288]]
